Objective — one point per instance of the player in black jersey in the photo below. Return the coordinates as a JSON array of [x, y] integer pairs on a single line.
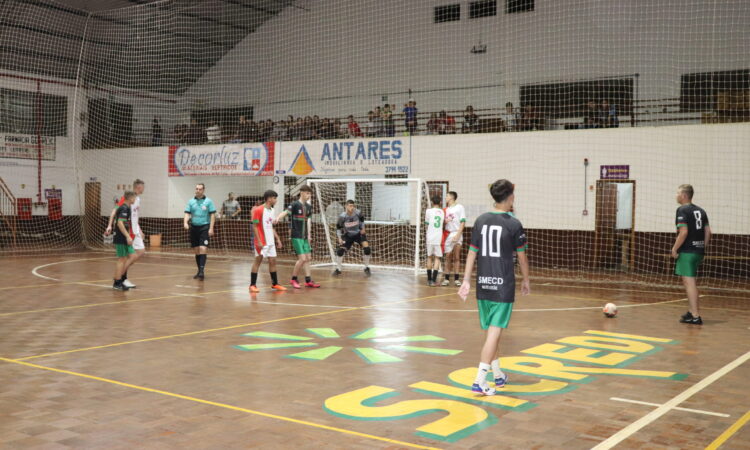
[[693, 234], [495, 237], [350, 229]]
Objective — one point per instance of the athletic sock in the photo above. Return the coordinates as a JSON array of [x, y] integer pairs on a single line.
[[366, 259], [481, 378], [253, 278], [339, 261], [496, 368], [308, 280], [294, 278], [429, 274], [455, 276], [274, 278], [124, 276], [434, 275], [198, 261], [447, 277], [202, 262], [117, 282]]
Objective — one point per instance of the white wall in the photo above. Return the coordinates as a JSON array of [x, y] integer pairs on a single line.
[[339, 56]]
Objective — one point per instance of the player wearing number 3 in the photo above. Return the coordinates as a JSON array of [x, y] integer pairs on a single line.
[[693, 234], [496, 236]]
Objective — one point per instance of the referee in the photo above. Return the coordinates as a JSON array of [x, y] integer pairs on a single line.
[[201, 213]]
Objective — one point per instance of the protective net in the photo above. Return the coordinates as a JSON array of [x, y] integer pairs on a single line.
[[596, 110], [392, 213]]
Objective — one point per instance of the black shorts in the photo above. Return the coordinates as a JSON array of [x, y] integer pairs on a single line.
[[350, 240], [199, 235]]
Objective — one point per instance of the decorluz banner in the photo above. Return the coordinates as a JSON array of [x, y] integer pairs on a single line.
[[360, 157], [25, 146], [229, 159]]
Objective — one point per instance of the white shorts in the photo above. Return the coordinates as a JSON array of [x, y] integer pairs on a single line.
[[267, 251], [449, 242], [434, 250], [138, 243]]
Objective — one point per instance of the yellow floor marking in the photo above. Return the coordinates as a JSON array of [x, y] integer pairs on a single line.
[[729, 432], [191, 333], [217, 404]]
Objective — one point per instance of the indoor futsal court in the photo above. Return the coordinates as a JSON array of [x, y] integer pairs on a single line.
[[374, 224]]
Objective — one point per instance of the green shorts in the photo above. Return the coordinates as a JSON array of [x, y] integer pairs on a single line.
[[687, 264], [494, 314], [301, 246], [123, 250]]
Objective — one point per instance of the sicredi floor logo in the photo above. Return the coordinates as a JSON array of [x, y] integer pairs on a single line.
[[382, 337]]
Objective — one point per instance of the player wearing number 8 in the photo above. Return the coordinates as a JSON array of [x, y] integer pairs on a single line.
[[496, 236], [693, 234]]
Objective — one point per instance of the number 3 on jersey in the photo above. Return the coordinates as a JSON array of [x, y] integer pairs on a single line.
[[438, 221], [491, 240]]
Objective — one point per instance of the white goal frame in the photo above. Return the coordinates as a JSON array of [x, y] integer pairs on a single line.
[[416, 268]]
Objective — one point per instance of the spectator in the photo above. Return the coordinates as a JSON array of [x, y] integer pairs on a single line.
[[378, 121], [315, 128], [609, 115], [298, 130], [512, 117], [353, 127], [410, 116], [155, 133], [389, 126], [231, 208], [433, 125], [278, 133], [180, 133], [325, 130], [195, 134], [471, 121], [591, 116], [266, 131], [370, 125], [213, 132], [338, 130], [242, 132], [308, 132], [446, 124]]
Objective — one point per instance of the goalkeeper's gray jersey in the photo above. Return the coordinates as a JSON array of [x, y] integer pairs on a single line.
[[350, 225]]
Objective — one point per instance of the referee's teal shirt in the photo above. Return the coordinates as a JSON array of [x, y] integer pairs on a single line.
[[200, 210]]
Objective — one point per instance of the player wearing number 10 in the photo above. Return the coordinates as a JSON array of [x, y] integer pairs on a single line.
[[693, 234], [496, 236]]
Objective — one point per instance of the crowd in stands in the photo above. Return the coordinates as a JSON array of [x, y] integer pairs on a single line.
[[386, 121]]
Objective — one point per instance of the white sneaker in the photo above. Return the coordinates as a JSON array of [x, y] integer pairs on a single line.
[[128, 284], [482, 389], [445, 283], [458, 282]]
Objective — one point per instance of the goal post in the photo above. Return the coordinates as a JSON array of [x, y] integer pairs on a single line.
[[393, 209]]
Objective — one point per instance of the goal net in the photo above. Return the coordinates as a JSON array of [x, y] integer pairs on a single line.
[[393, 211]]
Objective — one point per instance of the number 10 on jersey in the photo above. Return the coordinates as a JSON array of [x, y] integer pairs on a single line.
[[491, 235]]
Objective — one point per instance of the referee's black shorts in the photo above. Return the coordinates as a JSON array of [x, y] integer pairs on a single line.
[[199, 235], [350, 240]]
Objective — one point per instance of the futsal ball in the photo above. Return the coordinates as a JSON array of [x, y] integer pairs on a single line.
[[610, 310]]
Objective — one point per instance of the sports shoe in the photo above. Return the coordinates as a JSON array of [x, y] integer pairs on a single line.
[[689, 318], [500, 382], [484, 390], [254, 289], [278, 287], [128, 284], [119, 287], [311, 284], [445, 283], [430, 283], [200, 275], [295, 284], [457, 283], [336, 272], [367, 271]]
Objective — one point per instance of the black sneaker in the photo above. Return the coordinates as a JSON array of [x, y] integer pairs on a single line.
[[336, 272], [367, 271], [195, 277], [200, 275], [690, 319], [119, 287]]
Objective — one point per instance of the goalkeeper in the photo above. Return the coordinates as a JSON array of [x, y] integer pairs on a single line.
[[350, 228]]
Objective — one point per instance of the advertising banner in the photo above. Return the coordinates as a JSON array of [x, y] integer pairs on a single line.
[[26, 146], [345, 158], [227, 160]]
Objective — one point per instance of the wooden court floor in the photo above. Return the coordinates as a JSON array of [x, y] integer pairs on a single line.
[[359, 363]]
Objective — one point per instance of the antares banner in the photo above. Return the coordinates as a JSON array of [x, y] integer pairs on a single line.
[[26, 146], [228, 160], [357, 157]]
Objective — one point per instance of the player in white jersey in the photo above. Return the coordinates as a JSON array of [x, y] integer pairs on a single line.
[[433, 220], [135, 229], [455, 221], [265, 239]]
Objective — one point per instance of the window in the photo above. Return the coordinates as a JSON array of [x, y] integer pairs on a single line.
[[515, 6], [482, 8], [447, 13], [722, 91], [22, 111], [560, 100]]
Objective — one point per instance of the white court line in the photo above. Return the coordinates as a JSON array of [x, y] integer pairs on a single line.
[[531, 309], [663, 409], [36, 269], [187, 295], [697, 411], [186, 286]]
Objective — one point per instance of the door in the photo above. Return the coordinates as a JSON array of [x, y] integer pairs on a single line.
[[614, 237], [93, 225]]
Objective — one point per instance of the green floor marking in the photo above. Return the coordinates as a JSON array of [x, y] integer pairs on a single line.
[[423, 338], [428, 350], [324, 332], [374, 356], [374, 332], [275, 345], [318, 354], [286, 337]]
